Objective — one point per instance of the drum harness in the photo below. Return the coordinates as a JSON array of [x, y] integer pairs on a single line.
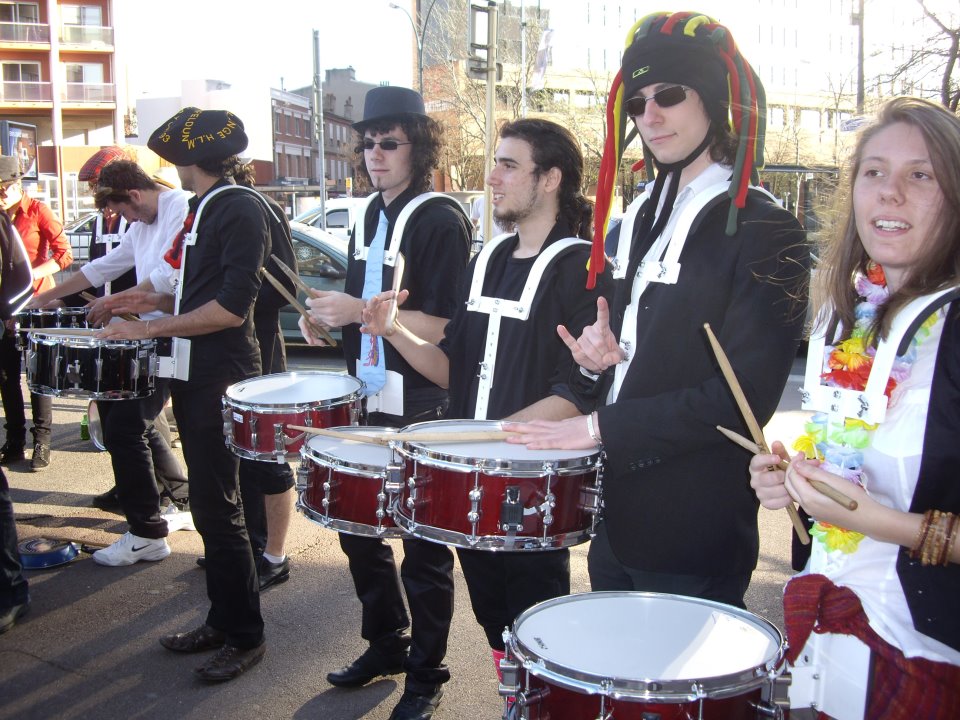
[[111, 240]]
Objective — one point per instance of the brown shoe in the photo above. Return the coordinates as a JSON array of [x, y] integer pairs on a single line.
[[198, 640], [230, 662]]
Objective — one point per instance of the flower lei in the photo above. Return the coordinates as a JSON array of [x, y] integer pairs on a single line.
[[838, 442]]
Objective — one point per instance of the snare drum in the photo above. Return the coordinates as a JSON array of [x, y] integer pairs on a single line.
[[74, 362], [44, 319], [493, 495], [633, 656], [257, 411], [342, 484]]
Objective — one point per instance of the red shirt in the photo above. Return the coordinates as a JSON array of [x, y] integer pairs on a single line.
[[42, 236]]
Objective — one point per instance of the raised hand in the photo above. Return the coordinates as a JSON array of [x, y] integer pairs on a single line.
[[379, 315], [597, 348]]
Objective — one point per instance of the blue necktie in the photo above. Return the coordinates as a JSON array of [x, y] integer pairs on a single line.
[[370, 366]]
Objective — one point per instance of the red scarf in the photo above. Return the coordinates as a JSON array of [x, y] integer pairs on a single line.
[[174, 255]]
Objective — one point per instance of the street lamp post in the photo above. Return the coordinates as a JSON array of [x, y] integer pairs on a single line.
[[418, 33]]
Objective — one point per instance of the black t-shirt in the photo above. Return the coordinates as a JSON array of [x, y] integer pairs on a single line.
[[532, 361], [224, 265], [435, 246]]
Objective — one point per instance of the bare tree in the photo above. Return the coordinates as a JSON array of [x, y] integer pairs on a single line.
[[935, 60]]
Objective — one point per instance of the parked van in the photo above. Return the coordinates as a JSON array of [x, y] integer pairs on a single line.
[[341, 214]]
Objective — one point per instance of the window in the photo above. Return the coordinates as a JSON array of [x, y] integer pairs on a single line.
[[21, 72], [89, 73], [338, 219], [312, 261], [14, 12], [90, 15]]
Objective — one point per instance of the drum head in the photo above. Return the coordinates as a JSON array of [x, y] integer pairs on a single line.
[[491, 455], [647, 646], [355, 455], [295, 389]]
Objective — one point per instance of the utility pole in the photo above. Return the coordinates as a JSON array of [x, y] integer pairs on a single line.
[[857, 19], [318, 126], [482, 64]]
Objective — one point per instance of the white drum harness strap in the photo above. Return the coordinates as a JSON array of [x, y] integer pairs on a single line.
[[497, 308], [111, 240]]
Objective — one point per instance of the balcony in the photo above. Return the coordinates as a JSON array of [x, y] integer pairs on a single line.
[[86, 36], [32, 92], [89, 93], [28, 33]]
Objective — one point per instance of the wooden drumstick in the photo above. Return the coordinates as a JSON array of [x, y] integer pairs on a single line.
[[727, 369], [90, 298], [822, 487], [317, 329], [385, 438]]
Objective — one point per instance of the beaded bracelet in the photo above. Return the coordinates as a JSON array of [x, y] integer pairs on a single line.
[[938, 532]]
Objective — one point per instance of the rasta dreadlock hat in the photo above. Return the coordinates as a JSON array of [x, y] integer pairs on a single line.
[[691, 49], [387, 103], [193, 136]]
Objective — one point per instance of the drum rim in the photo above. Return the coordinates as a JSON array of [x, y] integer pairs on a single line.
[[335, 462], [63, 337], [237, 404], [347, 526], [421, 452], [649, 689], [488, 543]]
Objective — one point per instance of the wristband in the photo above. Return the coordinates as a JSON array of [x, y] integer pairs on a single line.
[[592, 428]]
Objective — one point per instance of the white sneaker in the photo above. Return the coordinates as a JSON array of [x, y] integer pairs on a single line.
[[177, 519], [131, 548]]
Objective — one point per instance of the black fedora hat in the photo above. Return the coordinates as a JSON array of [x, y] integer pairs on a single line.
[[388, 102], [193, 136]]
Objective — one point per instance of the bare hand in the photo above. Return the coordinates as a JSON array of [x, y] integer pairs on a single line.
[[124, 330], [767, 481], [597, 348], [820, 506], [39, 302], [334, 309], [379, 315], [569, 434], [310, 335]]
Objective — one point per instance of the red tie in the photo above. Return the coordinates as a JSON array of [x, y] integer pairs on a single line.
[[175, 254]]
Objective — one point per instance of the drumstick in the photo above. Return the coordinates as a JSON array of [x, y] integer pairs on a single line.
[[385, 438], [822, 487], [294, 278], [727, 369], [90, 298], [317, 329]]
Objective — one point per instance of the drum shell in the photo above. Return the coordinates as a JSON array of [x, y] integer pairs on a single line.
[[634, 653], [443, 490], [84, 366], [345, 489], [251, 426]]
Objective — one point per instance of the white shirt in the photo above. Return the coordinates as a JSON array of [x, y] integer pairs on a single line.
[[142, 246], [712, 175]]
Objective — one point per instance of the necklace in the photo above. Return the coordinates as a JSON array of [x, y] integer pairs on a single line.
[[837, 441]]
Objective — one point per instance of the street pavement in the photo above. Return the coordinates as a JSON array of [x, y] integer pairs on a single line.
[[88, 647]]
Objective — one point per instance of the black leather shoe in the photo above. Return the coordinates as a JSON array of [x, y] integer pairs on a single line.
[[413, 706], [230, 662], [273, 573], [41, 457], [9, 617], [202, 562], [108, 501], [372, 664], [197, 640], [11, 453]]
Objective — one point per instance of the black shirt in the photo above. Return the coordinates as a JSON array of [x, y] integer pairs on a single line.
[[435, 246], [532, 361]]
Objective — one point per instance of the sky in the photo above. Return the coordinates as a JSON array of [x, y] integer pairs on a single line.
[[247, 41]]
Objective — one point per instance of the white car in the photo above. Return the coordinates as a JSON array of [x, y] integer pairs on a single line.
[[341, 214]]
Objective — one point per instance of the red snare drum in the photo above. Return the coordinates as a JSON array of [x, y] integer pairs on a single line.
[[341, 484], [257, 411], [493, 495], [633, 656]]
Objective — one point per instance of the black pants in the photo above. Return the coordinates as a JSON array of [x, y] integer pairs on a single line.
[[232, 584], [264, 478], [140, 458], [608, 573], [11, 365], [427, 576], [504, 584], [13, 586]]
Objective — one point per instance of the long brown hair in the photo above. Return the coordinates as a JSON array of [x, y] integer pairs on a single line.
[[842, 255]]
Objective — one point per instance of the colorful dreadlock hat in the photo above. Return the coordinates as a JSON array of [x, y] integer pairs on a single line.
[[90, 170], [691, 49]]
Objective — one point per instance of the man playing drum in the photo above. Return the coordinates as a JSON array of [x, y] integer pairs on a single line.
[[500, 355], [155, 214], [679, 516], [399, 149], [218, 284]]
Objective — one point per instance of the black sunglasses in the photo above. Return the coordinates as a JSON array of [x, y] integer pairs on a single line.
[[385, 145], [668, 97]]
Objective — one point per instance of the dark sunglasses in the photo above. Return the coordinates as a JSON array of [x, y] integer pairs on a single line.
[[385, 145], [668, 97]]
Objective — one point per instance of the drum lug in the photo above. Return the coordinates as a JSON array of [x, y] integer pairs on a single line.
[[393, 483], [134, 371], [511, 510], [227, 415], [303, 476], [279, 442], [774, 699]]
